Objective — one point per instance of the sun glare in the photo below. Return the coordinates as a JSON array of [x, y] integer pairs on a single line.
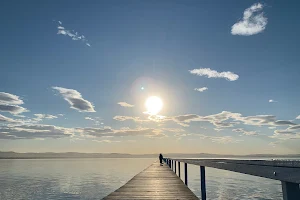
[[154, 105]]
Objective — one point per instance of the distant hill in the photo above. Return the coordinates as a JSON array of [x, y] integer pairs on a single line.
[[15, 155]]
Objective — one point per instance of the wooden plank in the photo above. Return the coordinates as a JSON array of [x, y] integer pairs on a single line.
[[288, 172], [155, 182]]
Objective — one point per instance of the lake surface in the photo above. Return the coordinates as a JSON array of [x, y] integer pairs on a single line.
[[95, 178]]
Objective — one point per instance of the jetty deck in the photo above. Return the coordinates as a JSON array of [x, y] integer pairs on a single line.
[[161, 181], [155, 182]]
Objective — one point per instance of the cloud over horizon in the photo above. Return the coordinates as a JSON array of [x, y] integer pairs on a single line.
[[253, 22], [123, 132], [209, 73], [33, 131], [74, 98]]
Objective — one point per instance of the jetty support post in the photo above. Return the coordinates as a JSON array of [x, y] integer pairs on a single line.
[[203, 184], [290, 191], [185, 174], [179, 169]]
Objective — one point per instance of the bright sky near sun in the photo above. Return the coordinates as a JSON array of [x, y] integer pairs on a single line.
[[150, 76]]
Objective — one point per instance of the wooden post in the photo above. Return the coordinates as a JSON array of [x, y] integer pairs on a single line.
[[179, 169], [203, 184], [175, 166], [290, 191], [185, 174]]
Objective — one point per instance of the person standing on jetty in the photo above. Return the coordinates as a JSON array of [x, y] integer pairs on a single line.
[[160, 158]]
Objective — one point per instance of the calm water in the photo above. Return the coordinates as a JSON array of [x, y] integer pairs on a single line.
[[95, 178]]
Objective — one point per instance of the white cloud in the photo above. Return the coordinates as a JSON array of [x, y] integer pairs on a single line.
[[6, 98], [214, 74], [124, 104], [201, 89], [89, 118], [298, 117], [272, 101], [253, 22], [11, 103], [71, 33], [13, 109], [96, 120], [74, 98], [40, 117]]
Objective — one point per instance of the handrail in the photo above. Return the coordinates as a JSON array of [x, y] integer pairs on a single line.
[[288, 172]]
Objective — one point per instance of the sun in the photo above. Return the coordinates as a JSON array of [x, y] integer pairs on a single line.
[[154, 105]]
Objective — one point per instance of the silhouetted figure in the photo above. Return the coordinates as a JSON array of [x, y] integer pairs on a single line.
[[160, 158]]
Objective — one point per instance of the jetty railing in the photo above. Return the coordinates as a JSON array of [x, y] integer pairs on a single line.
[[288, 172]]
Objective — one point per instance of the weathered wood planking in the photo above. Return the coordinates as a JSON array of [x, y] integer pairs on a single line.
[[155, 182]]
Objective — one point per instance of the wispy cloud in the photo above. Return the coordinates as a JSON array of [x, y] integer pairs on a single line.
[[298, 117], [240, 130], [224, 139], [123, 132], [124, 118], [6, 98], [106, 141], [34, 131], [96, 120], [253, 22], [292, 132], [224, 119], [40, 117], [219, 139], [201, 89], [272, 101], [11, 103], [89, 118], [74, 98], [4, 119], [13, 109], [71, 33], [124, 104], [221, 120], [214, 74]]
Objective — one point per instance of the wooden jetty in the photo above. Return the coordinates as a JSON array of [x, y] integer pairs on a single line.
[[162, 182], [155, 182]]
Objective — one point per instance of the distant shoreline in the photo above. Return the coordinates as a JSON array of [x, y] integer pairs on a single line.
[[68, 155]]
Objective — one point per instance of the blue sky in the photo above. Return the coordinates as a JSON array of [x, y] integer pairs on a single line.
[[66, 66]]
